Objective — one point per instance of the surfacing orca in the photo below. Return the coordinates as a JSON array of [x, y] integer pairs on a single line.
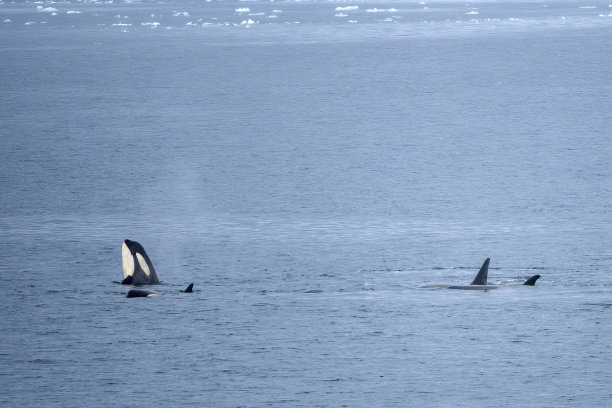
[[140, 293], [480, 281], [148, 293], [138, 270]]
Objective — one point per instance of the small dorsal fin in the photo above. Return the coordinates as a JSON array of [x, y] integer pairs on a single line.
[[189, 288], [531, 281], [481, 277], [127, 281]]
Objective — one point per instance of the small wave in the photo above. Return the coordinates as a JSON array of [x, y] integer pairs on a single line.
[[347, 8], [42, 9], [377, 10]]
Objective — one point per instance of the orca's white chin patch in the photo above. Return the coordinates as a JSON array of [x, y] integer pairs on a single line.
[[127, 261], [143, 264]]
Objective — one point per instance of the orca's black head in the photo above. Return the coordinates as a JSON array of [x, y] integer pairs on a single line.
[[134, 247]]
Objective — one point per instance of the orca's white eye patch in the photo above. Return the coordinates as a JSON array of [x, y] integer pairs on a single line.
[[127, 261], [143, 264]]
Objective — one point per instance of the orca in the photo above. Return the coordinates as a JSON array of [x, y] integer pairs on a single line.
[[137, 266], [140, 293], [138, 270], [148, 293], [531, 281], [480, 281]]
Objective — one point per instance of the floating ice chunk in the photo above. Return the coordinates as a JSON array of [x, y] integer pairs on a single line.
[[73, 12], [42, 9], [347, 8], [154, 24], [7, 20], [243, 10]]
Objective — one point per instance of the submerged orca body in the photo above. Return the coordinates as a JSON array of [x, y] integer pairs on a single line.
[[480, 281], [140, 293], [138, 270]]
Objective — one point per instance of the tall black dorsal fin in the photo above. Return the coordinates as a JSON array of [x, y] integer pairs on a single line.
[[481, 278], [189, 288], [531, 281]]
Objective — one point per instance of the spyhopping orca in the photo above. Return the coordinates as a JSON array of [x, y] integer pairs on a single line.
[[138, 270], [137, 266], [480, 281]]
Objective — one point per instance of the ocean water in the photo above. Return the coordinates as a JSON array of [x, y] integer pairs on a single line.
[[309, 166]]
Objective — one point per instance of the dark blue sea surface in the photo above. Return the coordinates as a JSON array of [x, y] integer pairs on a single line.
[[309, 166]]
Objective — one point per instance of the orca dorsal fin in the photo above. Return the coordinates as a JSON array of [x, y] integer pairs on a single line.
[[189, 288], [531, 281], [128, 280], [481, 277]]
